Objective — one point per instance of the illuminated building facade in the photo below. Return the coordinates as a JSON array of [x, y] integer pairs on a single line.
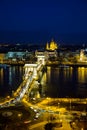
[[2, 56], [83, 56], [51, 49], [51, 46]]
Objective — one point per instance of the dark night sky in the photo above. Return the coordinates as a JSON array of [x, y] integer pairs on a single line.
[[38, 21]]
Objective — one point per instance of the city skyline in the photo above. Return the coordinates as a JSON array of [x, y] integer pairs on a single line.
[[39, 21]]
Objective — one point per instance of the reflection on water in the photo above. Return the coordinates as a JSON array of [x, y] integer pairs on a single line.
[[67, 73], [66, 82], [1, 76], [56, 81], [10, 78], [48, 74], [82, 74]]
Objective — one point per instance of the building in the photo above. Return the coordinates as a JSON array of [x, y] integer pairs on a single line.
[[51, 49], [51, 46], [2, 57]]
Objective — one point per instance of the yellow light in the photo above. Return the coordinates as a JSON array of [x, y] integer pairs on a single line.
[[82, 74], [1, 73], [47, 46], [20, 114], [82, 56], [52, 46]]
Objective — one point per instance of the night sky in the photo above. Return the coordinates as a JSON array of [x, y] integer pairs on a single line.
[[38, 21]]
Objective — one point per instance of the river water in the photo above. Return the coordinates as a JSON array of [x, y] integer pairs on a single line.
[[67, 82], [57, 81], [10, 79]]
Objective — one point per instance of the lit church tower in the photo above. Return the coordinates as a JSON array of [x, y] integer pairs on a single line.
[[47, 46], [82, 55], [51, 46]]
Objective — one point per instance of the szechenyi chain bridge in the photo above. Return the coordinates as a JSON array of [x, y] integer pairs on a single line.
[[30, 75], [31, 72]]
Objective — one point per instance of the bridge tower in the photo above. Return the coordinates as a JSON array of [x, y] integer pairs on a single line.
[[30, 68], [41, 59]]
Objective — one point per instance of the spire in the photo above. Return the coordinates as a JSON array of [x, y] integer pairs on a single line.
[[47, 46]]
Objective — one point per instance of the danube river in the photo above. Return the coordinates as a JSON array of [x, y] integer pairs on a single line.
[[10, 79], [57, 81]]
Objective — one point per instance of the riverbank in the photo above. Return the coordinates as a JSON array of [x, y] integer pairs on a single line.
[[67, 64], [49, 63]]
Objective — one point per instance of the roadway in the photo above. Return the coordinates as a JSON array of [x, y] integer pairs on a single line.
[[47, 113]]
